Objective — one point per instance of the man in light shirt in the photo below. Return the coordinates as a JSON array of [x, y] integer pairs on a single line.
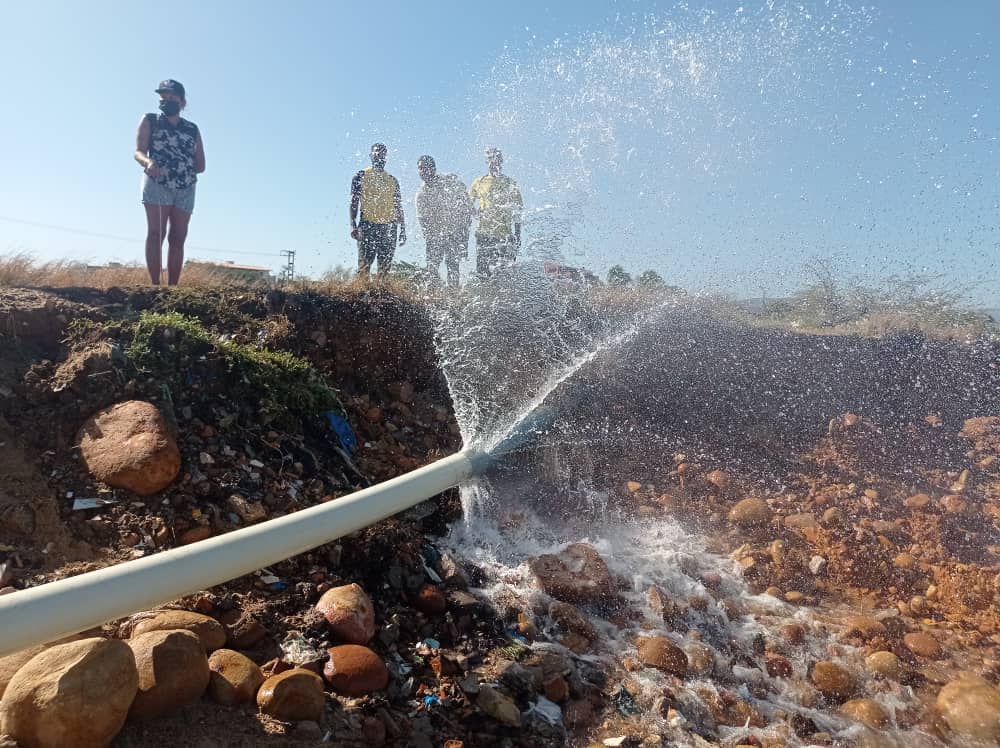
[[445, 215], [497, 202]]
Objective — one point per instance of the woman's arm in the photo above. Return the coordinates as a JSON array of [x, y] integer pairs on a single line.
[[142, 149], [199, 155]]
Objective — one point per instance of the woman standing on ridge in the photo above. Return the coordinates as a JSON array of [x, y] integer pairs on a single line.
[[171, 154]]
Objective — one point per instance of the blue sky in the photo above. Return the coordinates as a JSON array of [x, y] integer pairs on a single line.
[[720, 143]]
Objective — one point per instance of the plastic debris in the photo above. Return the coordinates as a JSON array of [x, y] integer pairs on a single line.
[[79, 504], [431, 700], [547, 710], [343, 431], [624, 701], [296, 650], [613, 742]]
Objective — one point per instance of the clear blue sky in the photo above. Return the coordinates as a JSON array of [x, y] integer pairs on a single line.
[[721, 144]]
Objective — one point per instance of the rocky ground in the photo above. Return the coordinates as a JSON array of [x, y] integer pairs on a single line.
[[126, 430]]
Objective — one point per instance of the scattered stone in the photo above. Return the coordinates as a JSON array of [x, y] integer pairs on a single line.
[[430, 601], [867, 712], [250, 512], [884, 665], [499, 706], [173, 671], [752, 512], [556, 689], [662, 605], [243, 631], [917, 501], [864, 627], [349, 613], [923, 645], [663, 654], [833, 681], [817, 565], [452, 573], [308, 729], [970, 707], [577, 574], [801, 521], [834, 516], [235, 678], [954, 504], [719, 479], [295, 695], [353, 670], [129, 446], [73, 694], [208, 630], [11, 663], [195, 535]]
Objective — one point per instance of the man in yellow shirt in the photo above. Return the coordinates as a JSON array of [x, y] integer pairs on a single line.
[[497, 203], [375, 194]]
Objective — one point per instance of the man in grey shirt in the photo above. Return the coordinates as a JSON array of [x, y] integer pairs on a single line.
[[445, 215]]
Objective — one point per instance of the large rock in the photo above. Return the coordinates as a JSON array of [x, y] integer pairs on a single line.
[[498, 705], [173, 671], [752, 512], [293, 696], [353, 670], [74, 694], [663, 654], [128, 446], [866, 711], [10, 664], [234, 679], [211, 633], [576, 575], [971, 709], [349, 613]]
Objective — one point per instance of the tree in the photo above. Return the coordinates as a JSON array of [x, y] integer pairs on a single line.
[[618, 277], [651, 279]]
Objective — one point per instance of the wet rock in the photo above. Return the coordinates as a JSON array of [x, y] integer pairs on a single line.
[[801, 521], [234, 679], [173, 671], [917, 501], [778, 666], [374, 731], [834, 516], [556, 689], [751, 512], [129, 446], [499, 706], [867, 712], [452, 573], [662, 605], [923, 645], [208, 630], [793, 634], [833, 681], [865, 628], [663, 654], [308, 729], [719, 479], [884, 665], [577, 574], [971, 708], [72, 694], [430, 601], [295, 695], [523, 682], [569, 618], [349, 613], [700, 657], [353, 670]]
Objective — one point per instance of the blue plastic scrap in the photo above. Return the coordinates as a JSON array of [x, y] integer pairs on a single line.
[[343, 431]]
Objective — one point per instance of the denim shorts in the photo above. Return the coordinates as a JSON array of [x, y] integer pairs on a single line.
[[154, 193]]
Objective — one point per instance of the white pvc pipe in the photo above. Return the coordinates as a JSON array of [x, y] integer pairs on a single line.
[[50, 611]]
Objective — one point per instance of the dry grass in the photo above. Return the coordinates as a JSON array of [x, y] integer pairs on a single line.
[[22, 270]]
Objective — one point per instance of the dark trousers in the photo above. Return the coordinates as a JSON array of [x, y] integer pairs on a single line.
[[492, 253], [378, 242]]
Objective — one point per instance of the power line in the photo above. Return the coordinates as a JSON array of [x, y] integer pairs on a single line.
[[98, 235]]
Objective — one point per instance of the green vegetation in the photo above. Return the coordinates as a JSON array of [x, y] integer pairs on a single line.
[[285, 387]]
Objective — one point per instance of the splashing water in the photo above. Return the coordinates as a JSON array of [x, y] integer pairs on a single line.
[[711, 117]]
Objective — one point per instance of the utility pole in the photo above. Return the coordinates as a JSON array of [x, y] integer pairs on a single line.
[[288, 271]]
